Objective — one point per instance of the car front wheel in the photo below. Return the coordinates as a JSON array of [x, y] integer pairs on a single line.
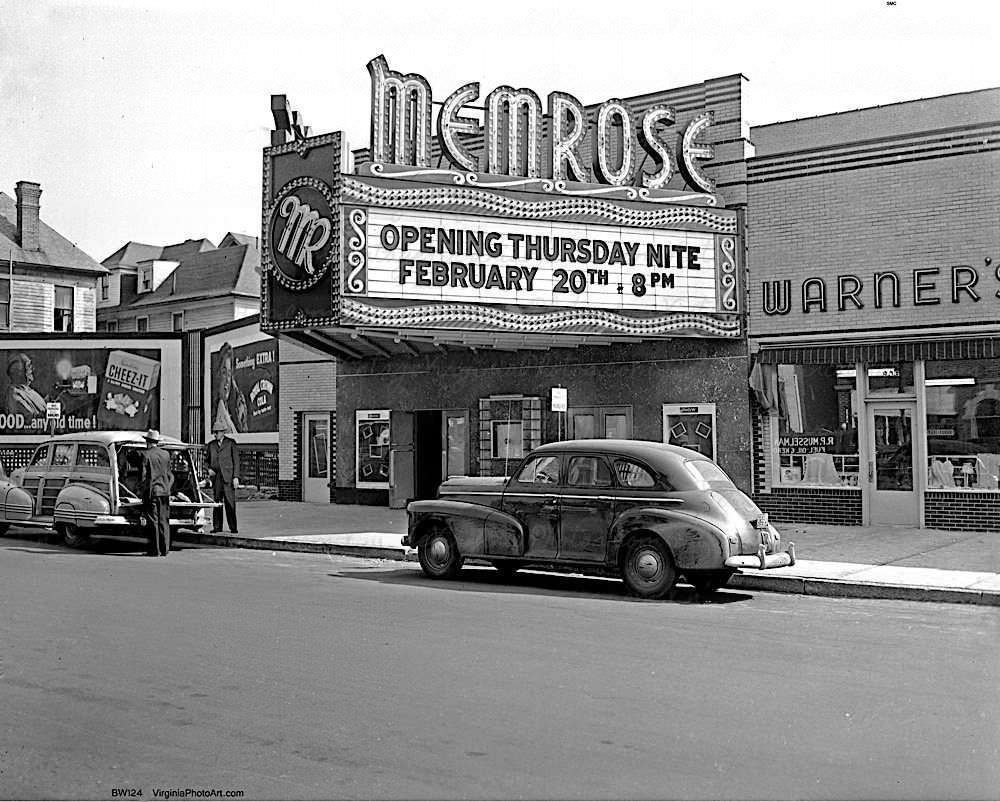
[[438, 554], [647, 568]]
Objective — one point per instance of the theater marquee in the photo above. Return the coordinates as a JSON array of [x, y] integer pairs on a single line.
[[598, 222]]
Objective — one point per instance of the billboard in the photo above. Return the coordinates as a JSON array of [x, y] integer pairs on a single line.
[[241, 383], [76, 384]]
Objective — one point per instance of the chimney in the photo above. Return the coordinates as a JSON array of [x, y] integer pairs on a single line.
[[28, 194]]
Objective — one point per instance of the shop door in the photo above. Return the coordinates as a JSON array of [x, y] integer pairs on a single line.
[[456, 442], [428, 453], [401, 486], [892, 491], [316, 458]]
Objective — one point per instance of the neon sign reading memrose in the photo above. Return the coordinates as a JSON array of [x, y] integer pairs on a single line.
[[513, 128]]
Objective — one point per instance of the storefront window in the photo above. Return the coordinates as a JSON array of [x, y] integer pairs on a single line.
[[890, 379], [817, 426], [963, 424]]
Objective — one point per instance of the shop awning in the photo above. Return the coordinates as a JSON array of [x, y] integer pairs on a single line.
[[882, 352]]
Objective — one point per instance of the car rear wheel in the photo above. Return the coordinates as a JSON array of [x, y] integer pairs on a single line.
[[647, 567], [706, 583], [438, 554], [72, 536]]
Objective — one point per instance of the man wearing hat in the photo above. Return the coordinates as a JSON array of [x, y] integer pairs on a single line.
[[157, 480], [224, 471]]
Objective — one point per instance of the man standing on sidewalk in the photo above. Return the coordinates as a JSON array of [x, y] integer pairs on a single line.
[[224, 471], [156, 483]]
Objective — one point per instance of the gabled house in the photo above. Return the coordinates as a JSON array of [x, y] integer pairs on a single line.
[[187, 286], [47, 284]]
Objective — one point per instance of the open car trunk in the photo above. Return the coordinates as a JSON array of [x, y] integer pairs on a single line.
[[186, 498]]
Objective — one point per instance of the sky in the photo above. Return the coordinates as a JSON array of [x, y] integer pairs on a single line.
[[146, 121]]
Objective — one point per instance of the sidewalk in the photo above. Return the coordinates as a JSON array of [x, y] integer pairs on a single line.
[[860, 562]]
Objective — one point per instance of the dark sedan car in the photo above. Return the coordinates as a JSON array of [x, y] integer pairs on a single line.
[[647, 512]]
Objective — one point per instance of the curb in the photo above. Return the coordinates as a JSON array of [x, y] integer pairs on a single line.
[[237, 542], [840, 588], [801, 586]]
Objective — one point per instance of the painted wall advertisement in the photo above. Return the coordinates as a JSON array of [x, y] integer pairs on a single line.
[[94, 388], [244, 380]]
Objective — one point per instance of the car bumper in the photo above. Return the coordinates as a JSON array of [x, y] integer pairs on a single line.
[[121, 520], [762, 561]]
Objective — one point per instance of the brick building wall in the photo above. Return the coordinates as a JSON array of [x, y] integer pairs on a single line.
[[872, 210], [308, 383]]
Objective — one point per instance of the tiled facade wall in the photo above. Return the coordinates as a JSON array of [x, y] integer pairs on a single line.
[[962, 511], [813, 506], [290, 489]]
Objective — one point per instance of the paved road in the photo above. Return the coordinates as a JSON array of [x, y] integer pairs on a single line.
[[305, 676]]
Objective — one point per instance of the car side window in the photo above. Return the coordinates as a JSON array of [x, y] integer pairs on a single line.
[[632, 475], [41, 457], [540, 471], [62, 455], [588, 472], [92, 456]]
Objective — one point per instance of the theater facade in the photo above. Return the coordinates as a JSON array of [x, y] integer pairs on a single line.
[[494, 274], [874, 303]]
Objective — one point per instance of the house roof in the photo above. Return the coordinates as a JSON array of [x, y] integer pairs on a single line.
[[235, 238], [178, 252], [131, 253], [55, 250], [209, 274]]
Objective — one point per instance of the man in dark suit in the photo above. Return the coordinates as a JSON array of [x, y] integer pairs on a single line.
[[224, 471], [157, 481]]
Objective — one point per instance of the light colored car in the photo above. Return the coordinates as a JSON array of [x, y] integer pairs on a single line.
[[647, 512], [89, 483]]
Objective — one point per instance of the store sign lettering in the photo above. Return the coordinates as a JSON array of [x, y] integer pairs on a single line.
[[925, 286], [805, 444], [513, 133]]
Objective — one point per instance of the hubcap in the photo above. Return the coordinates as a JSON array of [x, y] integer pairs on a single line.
[[647, 565], [438, 550]]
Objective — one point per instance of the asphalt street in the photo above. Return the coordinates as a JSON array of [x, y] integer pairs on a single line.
[[302, 676]]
